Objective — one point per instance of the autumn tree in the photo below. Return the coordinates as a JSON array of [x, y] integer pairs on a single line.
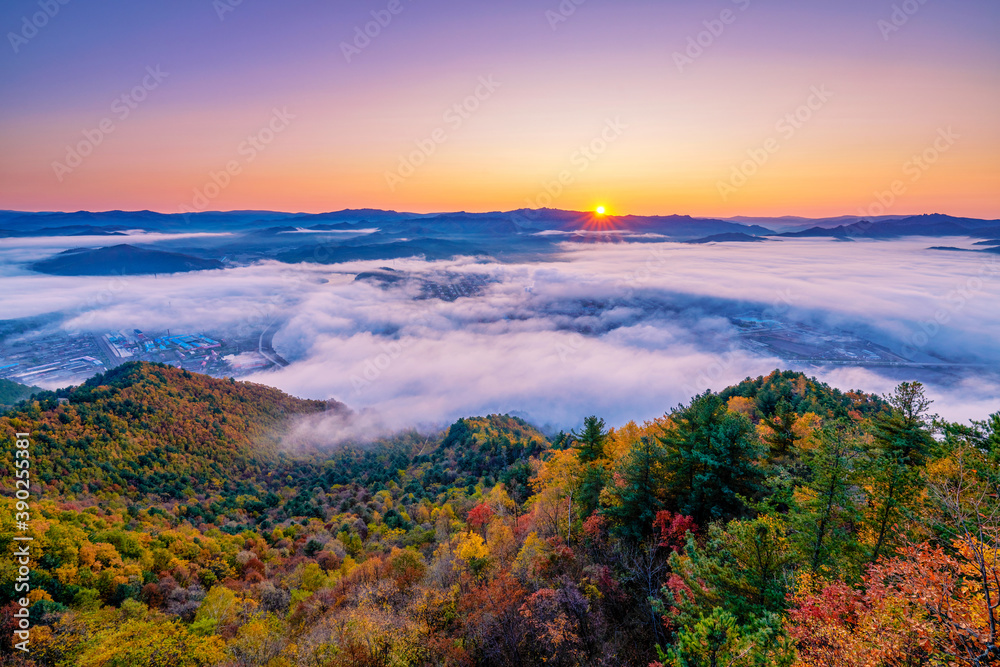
[[560, 626], [970, 514], [556, 487], [494, 626], [672, 530], [923, 606], [109, 637]]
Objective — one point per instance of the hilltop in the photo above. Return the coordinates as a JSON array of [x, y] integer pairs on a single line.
[[122, 260], [12, 393], [144, 429]]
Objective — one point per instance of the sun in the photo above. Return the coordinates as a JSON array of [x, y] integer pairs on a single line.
[[601, 220]]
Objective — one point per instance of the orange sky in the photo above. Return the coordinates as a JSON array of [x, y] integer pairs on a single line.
[[662, 140]]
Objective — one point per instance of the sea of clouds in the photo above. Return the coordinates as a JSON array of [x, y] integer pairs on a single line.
[[621, 330]]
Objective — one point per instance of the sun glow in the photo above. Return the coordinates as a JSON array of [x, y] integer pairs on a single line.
[[600, 210]]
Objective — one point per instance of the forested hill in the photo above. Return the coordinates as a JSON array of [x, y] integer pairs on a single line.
[[779, 522], [153, 429], [12, 393], [791, 392]]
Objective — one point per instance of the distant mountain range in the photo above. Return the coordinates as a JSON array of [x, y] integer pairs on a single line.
[[121, 260], [68, 230], [991, 250], [368, 234], [13, 223], [934, 225], [732, 237], [787, 223]]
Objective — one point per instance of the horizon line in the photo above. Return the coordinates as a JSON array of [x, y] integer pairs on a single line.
[[483, 212]]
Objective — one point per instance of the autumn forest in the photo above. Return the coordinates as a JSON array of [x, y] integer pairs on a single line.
[[778, 522]]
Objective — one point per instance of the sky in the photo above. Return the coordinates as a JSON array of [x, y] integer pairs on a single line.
[[711, 108]]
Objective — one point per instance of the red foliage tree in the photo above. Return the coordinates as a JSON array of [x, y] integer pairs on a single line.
[[672, 529], [480, 517]]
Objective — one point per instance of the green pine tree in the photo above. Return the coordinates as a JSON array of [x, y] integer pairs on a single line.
[[902, 443], [826, 506], [639, 497], [713, 459], [591, 441]]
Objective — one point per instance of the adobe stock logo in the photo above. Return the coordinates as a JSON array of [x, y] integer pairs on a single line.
[[248, 150], [901, 15], [37, 21], [714, 28], [786, 127], [223, 7], [376, 366], [562, 13], [455, 117], [915, 168], [122, 107], [581, 159], [363, 35]]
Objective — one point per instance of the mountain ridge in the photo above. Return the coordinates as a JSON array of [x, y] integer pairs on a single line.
[[121, 259]]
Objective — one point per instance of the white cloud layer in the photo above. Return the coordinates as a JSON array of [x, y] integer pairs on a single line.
[[625, 331]]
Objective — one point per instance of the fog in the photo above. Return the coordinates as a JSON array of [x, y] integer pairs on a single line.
[[624, 331]]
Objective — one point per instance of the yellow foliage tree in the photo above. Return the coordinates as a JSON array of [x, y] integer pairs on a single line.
[[470, 546], [555, 486], [218, 608], [743, 406]]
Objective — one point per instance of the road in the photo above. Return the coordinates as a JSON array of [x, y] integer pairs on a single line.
[[113, 360], [894, 364], [265, 345]]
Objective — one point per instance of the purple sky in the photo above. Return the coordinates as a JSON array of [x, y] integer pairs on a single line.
[[356, 128]]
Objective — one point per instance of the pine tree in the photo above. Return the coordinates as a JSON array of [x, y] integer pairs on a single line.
[[712, 459], [781, 439], [590, 445], [902, 444], [591, 441], [592, 483], [987, 433], [743, 567], [825, 508], [637, 493]]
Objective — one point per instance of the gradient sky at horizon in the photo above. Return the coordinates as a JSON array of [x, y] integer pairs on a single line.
[[683, 131]]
